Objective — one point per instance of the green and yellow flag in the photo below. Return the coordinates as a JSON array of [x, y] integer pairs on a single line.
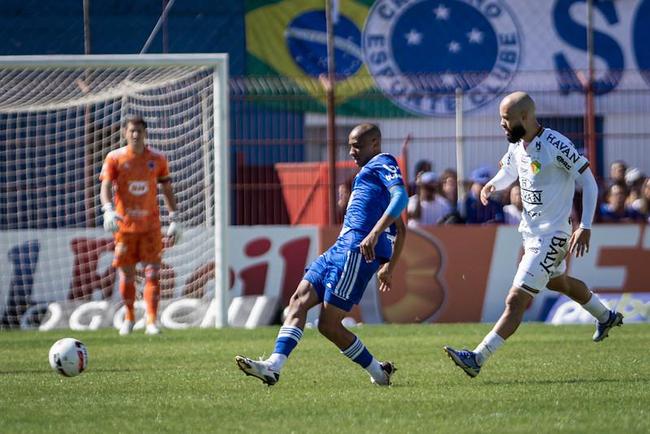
[[288, 38]]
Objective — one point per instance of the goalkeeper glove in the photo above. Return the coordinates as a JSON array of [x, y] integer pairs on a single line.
[[174, 231], [110, 218]]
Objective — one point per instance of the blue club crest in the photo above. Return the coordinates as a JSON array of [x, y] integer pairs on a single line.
[[420, 52]]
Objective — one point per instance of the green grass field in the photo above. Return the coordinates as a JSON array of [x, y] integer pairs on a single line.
[[546, 379]]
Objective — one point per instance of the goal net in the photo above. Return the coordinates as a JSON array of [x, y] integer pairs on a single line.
[[59, 117]]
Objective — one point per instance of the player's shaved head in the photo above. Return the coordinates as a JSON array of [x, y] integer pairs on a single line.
[[365, 142], [518, 102], [366, 131], [517, 111]]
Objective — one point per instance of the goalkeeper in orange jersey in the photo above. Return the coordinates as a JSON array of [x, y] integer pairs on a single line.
[[133, 173]]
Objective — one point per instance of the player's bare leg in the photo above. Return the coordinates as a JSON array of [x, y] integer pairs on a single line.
[[330, 326], [303, 299], [127, 290], [152, 297], [573, 288], [578, 291], [289, 335], [471, 361], [516, 304]]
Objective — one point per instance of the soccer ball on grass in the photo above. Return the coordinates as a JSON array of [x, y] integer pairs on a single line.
[[69, 357]]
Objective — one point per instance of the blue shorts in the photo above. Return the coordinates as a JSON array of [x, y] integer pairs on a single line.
[[340, 275]]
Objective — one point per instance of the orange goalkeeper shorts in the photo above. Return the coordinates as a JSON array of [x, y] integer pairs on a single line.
[[131, 248]]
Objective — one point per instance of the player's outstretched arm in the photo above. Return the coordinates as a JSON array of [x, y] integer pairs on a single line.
[[175, 229]]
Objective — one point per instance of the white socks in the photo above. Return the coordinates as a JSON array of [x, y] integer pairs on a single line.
[[375, 371], [596, 308], [277, 361], [491, 342]]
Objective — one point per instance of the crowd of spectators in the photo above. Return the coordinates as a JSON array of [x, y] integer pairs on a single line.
[[624, 198]]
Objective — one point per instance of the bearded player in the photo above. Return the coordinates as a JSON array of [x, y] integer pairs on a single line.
[[131, 175], [547, 165]]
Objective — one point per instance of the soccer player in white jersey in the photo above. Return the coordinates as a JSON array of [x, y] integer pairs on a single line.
[[548, 166]]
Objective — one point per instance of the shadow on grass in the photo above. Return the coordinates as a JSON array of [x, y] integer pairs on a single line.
[[91, 370], [26, 371], [567, 381]]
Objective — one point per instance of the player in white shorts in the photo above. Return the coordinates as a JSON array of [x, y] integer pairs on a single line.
[[547, 165]]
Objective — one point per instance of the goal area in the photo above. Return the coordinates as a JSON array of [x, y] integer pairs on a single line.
[[59, 118]]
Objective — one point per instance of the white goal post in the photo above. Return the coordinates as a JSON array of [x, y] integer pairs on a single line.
[[59, 117]]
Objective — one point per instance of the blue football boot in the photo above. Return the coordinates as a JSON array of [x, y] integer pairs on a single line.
[[464, 359], [602, 328]]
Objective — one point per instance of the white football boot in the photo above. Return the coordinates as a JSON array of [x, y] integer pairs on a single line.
[[258, 369], [389, 369], [126, 328], [152, 329]]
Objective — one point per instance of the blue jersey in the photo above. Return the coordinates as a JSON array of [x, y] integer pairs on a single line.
[[369, 199]]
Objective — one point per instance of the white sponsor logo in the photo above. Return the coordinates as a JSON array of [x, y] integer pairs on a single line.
[[138, 188], [394, 172], [135, 212], [178, 314]]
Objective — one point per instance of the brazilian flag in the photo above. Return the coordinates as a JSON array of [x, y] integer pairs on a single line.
[[288, 39]]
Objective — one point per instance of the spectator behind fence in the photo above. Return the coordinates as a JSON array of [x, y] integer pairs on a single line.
[[617, 174], [475, 212], [634, 182], [615, 210], [512, 211], [449, 186], [420, 167], [642, 204], [427, 207]]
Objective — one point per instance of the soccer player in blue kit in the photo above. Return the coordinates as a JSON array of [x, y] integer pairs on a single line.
[[370, 242]]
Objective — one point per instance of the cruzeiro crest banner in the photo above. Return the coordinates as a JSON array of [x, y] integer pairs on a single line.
[[420, 52], [415, 53], [412, 55]]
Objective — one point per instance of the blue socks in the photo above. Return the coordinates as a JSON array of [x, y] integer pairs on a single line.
[[288, 338], [358, 353]]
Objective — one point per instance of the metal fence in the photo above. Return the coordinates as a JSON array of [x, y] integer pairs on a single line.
[[279, 133], [279, 149]]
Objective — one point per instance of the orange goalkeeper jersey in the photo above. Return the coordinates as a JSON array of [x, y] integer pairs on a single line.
[[135, 183]]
